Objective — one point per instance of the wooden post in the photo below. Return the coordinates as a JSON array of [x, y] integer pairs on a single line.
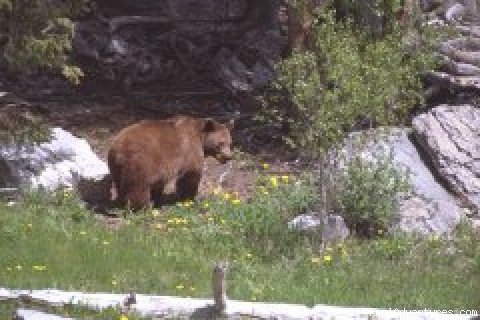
[[219, 286]]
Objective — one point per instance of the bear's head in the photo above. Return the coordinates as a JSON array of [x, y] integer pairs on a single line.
[[217, 140]]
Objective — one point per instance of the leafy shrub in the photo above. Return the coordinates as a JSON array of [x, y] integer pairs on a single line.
[[19, 126], [368, 195], [39, 34], [347, 80]]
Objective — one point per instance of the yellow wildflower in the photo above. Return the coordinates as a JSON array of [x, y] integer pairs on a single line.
[[114, 283], [274, 181], [210, 219], [170, 221], [223, 221], [18, 267], [67, 193], [180, 204], [344, 252], [248, 255], [263, 190], [83, 232], [206, 204], [227, 196], [236, 201], [155, 212], [192, 288], [128, 222], [285, 179], [180, 286], [123, 317], [39, 268], [217, 191], [315, 260], [265, 166], [9, 268], [159, 226], [327, 258], [29, 225], [105, 243]]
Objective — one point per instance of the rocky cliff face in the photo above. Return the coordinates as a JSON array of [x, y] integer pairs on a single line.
[[230, 44]]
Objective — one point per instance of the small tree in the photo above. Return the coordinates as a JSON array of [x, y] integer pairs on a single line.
[[346, 81], [38, 34], [349, 79]]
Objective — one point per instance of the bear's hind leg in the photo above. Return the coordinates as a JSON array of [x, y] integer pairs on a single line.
[[157, 194], [187, 186]]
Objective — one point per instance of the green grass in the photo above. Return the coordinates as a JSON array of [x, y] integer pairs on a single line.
[[52, 242]]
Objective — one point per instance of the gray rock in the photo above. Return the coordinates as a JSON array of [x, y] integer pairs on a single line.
[[62, 161], [427, 207], [332, 227], [305, 222], [262, 75], [455, 12], [450, 136]]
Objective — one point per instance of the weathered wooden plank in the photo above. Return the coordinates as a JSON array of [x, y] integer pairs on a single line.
[[155, 306], [27, 314]]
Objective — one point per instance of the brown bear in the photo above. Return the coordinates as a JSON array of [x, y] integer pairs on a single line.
[[145, 157]]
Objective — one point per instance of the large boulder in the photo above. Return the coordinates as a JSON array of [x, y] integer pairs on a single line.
[[427, 207], [450, 136], [63, 161]]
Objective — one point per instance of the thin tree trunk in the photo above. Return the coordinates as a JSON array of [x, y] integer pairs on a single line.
[[300, 25]]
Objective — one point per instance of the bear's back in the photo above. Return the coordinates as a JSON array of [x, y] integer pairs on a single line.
[[159, 142]]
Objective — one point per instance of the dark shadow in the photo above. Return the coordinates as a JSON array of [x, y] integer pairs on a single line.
[[208, 312], [96, 194]]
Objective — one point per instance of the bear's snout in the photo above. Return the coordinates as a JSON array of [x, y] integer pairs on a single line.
[[225, 156]]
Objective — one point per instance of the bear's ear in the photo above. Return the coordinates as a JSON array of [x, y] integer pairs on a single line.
[[209, 125], [230, 124]]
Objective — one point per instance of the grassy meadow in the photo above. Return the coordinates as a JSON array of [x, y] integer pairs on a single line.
[[54, 242]]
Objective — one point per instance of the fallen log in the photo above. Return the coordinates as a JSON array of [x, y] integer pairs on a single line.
[[156, 306], [27, 314]]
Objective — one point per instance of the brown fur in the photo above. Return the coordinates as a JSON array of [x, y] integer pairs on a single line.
[[145, 157]]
